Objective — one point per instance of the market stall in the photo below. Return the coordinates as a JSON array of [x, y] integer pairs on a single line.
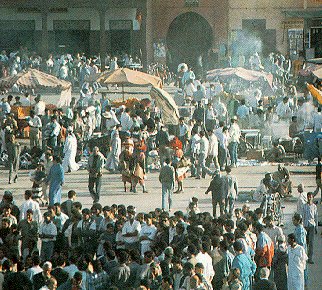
[[126, 77]]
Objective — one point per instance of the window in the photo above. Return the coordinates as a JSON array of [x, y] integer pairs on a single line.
[[191, 3]]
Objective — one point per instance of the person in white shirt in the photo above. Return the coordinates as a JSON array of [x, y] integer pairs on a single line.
[[223, 137], [283, 109], [202, 170], [273, 231], [47, 234], [204, 258], [40, 106], [296, 264], [194, 151], [210, 92], [35, 126], [147, 234], [211, 115], [35, 269], [213, 150], [111, 120], [189, 89], [221, 109], [30, 204], [126, 120], [235, 133], [131, 230], [302, 199], [243, 114]]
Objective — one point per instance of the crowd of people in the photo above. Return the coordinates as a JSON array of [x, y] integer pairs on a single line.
[[115, 247]]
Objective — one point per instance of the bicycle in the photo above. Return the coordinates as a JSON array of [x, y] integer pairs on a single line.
[[275, 208]]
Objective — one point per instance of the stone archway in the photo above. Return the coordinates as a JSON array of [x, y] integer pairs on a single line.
[[189, 37]]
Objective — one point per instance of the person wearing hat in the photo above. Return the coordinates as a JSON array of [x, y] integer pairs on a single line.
[[110, 119], [234, 133], [40, 106], [70, 151]]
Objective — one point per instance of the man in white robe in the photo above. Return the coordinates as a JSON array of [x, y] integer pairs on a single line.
[[296, 264], [70, 150], [113, 157]]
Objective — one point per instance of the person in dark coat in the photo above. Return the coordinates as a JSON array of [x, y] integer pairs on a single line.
[[280, 261], [215, 187], [43, 278], [263, 283], [59, 273], [13, 149]]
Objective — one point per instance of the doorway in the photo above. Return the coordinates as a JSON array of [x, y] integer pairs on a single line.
[[189, 38]]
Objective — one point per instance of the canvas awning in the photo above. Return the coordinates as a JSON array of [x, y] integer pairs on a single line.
[[245, 74], [167, 105], [304, 13], [34, 79]]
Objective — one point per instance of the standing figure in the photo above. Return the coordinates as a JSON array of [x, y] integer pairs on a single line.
[[113, 160], [52, 132], [96, 162], [215, 187], [230, 190], [296, 264], [70, 150], [55, 179], [13, 149], [234, 133], [138, 173], [126, 158], [202, 169], [167, 178], [310, 222], [181, 167], [35, 128]]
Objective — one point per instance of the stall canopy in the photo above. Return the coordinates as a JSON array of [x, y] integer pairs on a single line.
[[242, 73], [167, 105], [317, 94], [309, 69], [32, 79], [318, 73], [127, 77]]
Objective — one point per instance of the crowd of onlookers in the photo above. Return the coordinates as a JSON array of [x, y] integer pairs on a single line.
[[115, 247]]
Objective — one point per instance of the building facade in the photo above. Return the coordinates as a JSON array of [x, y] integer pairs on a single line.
[[199, 32]]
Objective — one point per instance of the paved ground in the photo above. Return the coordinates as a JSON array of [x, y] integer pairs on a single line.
[[112, 192]]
